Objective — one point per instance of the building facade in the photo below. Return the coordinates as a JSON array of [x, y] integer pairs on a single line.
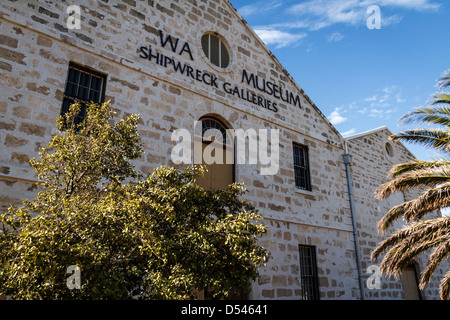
[[373, 156], [178, 62]]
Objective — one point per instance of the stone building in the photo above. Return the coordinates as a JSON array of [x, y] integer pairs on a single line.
[[177, 62], [373, 156]]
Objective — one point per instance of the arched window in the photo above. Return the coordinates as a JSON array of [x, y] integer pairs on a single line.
[[217, 153], [212, 130]]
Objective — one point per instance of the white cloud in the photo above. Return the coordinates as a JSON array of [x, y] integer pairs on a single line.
[[279, 38], [336, 117], [328, 12], [390, 20], [382, 105], [384, 100], [399, 99], [363, 110], [318, 14], [335, 37], [376, 112], [349, 132], [314, 15], [260, 7], [389, 89], [371, 99], [381, 113], [419, 5]]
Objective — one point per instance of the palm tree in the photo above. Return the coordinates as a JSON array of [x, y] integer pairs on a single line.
[[432, 178]]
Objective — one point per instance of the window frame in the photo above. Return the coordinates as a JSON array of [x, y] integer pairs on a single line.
[[222, 44], [309, 278], [208, 122], [227, 143], [69, 97], [305, 168]]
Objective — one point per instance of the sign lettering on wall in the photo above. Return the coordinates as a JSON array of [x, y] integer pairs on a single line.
[[247, 78]]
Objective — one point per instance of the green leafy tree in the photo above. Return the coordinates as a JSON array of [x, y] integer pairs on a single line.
[[155, 237], [433, 179]]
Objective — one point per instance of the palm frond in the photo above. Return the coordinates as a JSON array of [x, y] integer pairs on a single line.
[[441, 253], [441, 98], [405, 245], [393, 215], [430, 138], [413, 234], [444, 81], [413, 210], [445, 287], [390, 241], [418, 178], [431, 200], [436, 114], [404, 253], [416, 164]]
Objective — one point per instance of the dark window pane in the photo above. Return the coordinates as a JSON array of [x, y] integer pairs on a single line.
[[308, 273], [215, 52], [225, 56], [92, 95], [66, 104], [83, 85], [301, 168], [71, 89], [84, 79], [96, 83], [205, 44], [96, 96], [73, 75], [82, 91]]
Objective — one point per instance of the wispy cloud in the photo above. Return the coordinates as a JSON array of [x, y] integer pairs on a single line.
[[335, 37], [260, 7], [324, 13], [313, 15], [336, 117], [419, 5], [279, 38], [383, 104], [349, 132], [380, 105]]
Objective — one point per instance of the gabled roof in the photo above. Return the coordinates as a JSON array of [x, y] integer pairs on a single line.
[[369, 132], [365, 133]]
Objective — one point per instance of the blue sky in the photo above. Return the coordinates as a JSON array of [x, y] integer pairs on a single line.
[[360, 78]]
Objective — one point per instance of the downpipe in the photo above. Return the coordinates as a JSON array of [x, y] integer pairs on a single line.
[[347, 161]]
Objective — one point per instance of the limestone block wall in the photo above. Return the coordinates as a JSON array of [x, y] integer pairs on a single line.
[[371, 164], [36, 47], [335, 262]]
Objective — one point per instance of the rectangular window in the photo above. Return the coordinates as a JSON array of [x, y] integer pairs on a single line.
[[83, 85], [308, 272], [301, 167]]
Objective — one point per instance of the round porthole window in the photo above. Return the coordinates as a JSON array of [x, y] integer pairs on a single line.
[[215, 50], [389, 150]]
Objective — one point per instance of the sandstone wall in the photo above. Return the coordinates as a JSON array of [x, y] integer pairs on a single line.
[[36, 47], [371, 164]]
